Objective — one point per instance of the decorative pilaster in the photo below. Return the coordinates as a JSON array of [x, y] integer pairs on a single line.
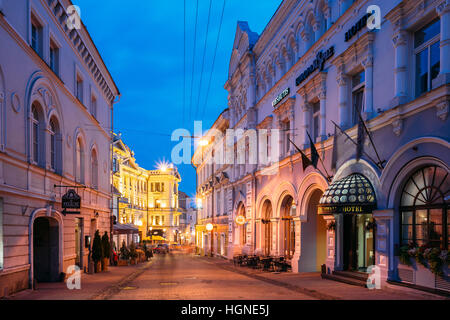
[[400, 69], [368, 89], [343, 111]]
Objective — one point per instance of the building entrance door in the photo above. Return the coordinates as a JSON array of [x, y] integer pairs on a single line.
[[358, 242], [46, 250]]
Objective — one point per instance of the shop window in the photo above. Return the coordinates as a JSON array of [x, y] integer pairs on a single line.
[[424, 206], [358, 82], [426, 51]]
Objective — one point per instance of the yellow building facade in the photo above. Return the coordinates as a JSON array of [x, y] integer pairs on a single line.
[[146, 199]]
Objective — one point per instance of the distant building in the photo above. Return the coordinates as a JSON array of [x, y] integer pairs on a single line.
[[145, 199], [188, 218], [56, 101]]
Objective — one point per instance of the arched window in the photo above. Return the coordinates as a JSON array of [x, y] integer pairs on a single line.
[[79, 162], [94, 169], [267, 215], [37, 136], [55, 146], [424, 206]]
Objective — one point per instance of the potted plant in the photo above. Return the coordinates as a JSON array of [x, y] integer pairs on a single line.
[[106, 246], [124, 255], [133, 253], [97, 251]]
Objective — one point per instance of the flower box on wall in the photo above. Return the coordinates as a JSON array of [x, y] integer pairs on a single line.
[[420, 275]]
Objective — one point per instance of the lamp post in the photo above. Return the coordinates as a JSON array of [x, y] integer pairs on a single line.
[[210, 227]]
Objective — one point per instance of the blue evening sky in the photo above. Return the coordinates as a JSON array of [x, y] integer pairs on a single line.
[[141, 43]]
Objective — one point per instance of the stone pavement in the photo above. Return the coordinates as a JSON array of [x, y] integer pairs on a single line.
[[93, 286], [312, 284], [182, 276]]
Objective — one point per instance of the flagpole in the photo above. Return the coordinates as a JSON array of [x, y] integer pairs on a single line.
[[374, 161], [371, 141], [320, 158], [303, 155]]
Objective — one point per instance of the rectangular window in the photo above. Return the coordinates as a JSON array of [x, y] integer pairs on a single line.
[[54, 57], [162, 186], [162, 220], [157, 187], [36, 36], [358, 82], [315, 121], [157, 220], [94, 107], [427, 55], [79, 89], [52, 150]]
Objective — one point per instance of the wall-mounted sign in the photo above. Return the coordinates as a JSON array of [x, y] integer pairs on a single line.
[[357, 27], [318, 63], [281, 97], [71, 200], [240, 219], [352, 209]]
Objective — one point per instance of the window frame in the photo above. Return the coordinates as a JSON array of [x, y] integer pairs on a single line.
[[355, 90], [416, 50]]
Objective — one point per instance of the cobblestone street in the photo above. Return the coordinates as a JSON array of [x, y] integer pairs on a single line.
[[185, 277]]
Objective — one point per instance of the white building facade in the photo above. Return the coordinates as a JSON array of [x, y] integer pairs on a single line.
[[317, 63], [56, 100]]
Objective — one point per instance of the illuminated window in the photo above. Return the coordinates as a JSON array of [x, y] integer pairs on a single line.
[[424, 206]]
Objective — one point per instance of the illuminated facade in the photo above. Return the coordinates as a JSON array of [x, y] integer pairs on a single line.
[[314, 64], [147, 199]]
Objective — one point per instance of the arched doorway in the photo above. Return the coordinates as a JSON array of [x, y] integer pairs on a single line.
[[314, 236], [46, 249], [267, 227], [288, 229]]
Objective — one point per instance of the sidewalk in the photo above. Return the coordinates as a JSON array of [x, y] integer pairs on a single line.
[[313, 285], [93, 286]]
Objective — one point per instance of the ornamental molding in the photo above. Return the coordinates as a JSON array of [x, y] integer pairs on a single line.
[[397, 125], [442, 109]]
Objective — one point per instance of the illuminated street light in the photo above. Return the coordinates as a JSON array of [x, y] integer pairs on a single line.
[[203, 142], [209, 227]]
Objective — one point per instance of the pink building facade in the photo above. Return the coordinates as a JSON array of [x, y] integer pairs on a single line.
[[56, 100]]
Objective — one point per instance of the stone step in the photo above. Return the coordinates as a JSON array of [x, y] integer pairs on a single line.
[[352, 274], [343, 279]]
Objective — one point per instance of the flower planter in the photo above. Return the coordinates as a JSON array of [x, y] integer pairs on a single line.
[[97, 267], [105, 262], [122, 262]]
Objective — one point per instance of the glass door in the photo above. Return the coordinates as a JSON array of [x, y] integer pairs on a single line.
[[365, 255]]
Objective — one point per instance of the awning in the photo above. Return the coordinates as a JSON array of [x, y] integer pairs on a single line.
[[352, 194], [125, 229]]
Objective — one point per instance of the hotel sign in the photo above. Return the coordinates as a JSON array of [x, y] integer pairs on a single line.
[[71, 200], [280, 97], [355, 209], [318, 63], [357, 27]]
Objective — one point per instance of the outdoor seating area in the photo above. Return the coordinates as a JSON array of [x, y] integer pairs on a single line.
[[264, 263]]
